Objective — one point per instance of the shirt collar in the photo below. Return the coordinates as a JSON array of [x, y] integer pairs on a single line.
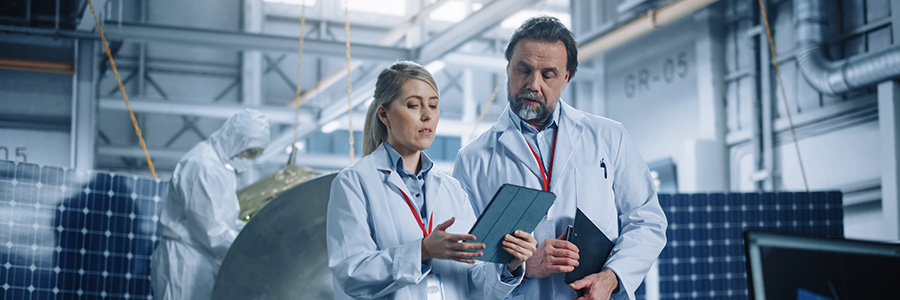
[[397, 161], [520, 124]]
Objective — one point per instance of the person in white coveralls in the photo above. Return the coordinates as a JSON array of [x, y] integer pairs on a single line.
[[199, 216]]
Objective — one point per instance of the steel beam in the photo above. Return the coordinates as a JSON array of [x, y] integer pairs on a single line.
[[390, 38], [247, 41], [251, 60], [138, 152], [312, 160], [86, 23], [889, 125], [84, 106], [473, 26], [276, 114], [136, 32]]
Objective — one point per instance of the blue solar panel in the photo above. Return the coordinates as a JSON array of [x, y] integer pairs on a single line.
[[704, 256], [70, 234]]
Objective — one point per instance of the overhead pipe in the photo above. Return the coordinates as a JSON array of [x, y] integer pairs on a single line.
[[655, 18], [37, 66], [840, 76]]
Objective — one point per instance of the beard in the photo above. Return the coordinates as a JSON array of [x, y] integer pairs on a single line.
[[530, 112]]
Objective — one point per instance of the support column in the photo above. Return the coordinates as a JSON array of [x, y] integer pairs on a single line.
[[84, 106], [767, 101], [469, 109], [889, 128], [251, 60], [704, 167]]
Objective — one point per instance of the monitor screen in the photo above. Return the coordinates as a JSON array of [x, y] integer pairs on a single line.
[[787, 266]]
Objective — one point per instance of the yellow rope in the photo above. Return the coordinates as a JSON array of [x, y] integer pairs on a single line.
[[299, 76], [787, 108], [349, 83], [112, 63], [484, 110]]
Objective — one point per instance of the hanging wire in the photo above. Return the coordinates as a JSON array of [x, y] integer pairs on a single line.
[[349, 82], [297, 99], [787, 107], [484, 110], [112, 63]]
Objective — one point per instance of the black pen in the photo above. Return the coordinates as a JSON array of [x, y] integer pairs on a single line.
[[603, 165]]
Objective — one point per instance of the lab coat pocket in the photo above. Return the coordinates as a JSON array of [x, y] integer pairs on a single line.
[[596, 199]]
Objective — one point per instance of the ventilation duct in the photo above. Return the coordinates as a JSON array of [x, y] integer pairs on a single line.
[[836, 77]]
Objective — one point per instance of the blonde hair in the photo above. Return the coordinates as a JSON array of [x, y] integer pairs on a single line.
[[387, 88]]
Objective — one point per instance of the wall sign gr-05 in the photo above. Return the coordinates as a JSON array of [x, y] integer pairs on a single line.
[[640, 81], [20, 152]]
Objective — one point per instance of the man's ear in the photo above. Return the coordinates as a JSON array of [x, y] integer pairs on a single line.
[[566, 83]]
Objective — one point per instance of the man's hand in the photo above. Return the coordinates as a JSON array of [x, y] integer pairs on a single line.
[[521, 246], [443, 245], [552, 256], [597, 286]]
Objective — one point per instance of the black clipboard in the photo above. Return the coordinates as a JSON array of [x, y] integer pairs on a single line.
[[593, 247], [512, 208]]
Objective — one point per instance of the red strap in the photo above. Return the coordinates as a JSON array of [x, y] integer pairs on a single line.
[[415, 214], [545, 176]]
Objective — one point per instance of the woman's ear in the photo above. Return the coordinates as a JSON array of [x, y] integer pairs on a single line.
[[382, 115]]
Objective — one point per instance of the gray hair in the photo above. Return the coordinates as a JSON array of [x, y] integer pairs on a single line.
[[546, 29], [387, 88]]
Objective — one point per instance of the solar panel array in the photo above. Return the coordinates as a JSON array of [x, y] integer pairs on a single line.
[[704, 256], [74, 234]]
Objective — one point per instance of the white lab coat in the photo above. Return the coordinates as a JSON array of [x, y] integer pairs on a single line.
[[199, 215], [374, 241], [622, 203]]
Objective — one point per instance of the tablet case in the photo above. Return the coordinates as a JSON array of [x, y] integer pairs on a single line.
[[512, 208]]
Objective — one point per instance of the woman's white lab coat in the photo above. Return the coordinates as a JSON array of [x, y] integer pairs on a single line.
[[620, 198], [374, 241]]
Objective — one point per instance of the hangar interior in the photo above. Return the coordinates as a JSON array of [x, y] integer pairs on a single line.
[[693, 82]]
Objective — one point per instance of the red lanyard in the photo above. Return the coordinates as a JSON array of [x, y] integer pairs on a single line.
[[544, 175], [418, 219]]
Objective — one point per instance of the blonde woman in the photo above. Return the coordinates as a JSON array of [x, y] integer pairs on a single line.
[[396, 226]]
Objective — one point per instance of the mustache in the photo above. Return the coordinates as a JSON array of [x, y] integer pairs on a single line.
[[531, 95]]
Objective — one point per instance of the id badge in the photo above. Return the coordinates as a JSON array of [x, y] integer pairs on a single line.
[[434, 288]]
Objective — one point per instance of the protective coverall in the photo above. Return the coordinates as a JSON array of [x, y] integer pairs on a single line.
[[199, 215]]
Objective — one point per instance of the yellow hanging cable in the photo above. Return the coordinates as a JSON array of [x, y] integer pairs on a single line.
[[349, 83], [299, 76], [112, 63], [787, 108], [486, 106]]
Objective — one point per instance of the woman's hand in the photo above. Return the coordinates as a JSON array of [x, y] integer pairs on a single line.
[[521, 245], [443, 245]]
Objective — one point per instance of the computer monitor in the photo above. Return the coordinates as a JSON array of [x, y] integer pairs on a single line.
[[787, 266]]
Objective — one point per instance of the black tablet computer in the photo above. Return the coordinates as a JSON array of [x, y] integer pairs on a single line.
[[512, 208]]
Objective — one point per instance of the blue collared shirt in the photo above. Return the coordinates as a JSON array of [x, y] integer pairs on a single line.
[[415, 183], [541, 141]]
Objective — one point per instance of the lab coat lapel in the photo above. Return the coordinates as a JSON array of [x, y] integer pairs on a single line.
[[432, 190], [511, 139], [393, 180], [568, 137]]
